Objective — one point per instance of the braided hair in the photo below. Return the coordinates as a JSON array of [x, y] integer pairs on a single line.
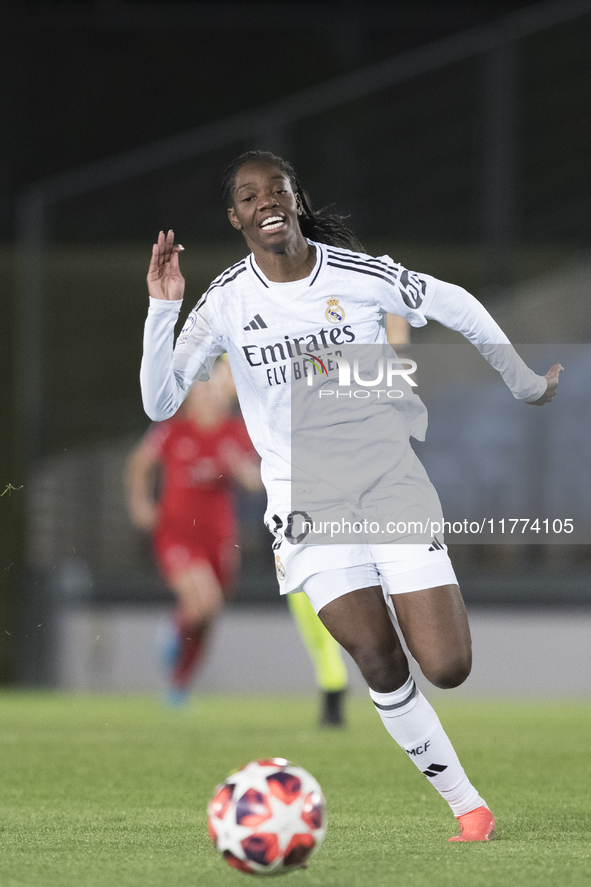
[[320, 226]]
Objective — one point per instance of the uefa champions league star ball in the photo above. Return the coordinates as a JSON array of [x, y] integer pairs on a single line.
[[267, 818]]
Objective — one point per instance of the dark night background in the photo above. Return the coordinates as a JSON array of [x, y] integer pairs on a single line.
[[84, 81]]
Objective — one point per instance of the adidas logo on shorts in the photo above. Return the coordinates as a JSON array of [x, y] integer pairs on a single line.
[[436, 545]]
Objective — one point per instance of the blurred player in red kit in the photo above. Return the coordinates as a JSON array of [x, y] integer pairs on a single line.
[[200, 454]]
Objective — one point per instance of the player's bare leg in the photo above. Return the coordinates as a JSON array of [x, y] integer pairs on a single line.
[[434, 624], [198, 592], [199, 602], [360, 622]]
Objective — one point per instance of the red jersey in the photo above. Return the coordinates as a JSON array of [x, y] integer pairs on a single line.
[[196, 519]]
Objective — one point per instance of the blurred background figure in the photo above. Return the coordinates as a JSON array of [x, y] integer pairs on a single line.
[[179, 488], [327, 659]]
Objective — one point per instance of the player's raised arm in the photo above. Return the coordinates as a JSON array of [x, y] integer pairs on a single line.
[[161, 393], [165, 280], [167, 372], [455, 308]]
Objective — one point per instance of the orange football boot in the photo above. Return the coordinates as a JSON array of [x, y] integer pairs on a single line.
[[477, 825]]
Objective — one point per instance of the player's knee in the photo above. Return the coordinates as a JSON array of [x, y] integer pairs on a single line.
[[450, 673], [382, 668]]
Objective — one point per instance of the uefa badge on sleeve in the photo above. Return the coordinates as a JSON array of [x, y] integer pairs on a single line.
[[335, 313]]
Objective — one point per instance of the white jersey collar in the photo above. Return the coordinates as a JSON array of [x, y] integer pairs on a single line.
[[304, 283]]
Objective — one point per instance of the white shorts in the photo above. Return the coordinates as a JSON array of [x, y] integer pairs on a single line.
[[399, 569], [413, 508]]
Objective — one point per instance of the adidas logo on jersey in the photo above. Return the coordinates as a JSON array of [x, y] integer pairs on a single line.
[[436, 545], [257, 323]]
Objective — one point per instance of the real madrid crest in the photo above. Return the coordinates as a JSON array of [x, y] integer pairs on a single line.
[[334, 312], [280, 568]]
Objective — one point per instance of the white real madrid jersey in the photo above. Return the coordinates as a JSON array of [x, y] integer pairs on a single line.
[[272, 332]]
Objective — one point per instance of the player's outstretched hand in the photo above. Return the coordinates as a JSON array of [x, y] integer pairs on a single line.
[[165, 280], [552, 377]]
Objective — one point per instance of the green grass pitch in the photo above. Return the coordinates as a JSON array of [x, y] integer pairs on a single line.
[[100, 791]]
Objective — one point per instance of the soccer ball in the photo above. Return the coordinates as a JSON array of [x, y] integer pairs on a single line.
[[268, 817]]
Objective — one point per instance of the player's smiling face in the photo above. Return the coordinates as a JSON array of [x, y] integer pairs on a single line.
[[265, 207]]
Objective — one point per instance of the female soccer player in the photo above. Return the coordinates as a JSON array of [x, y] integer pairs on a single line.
[[193, 525], [305, 289]]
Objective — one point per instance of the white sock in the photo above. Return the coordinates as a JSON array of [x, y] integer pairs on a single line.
[[414, 725]]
